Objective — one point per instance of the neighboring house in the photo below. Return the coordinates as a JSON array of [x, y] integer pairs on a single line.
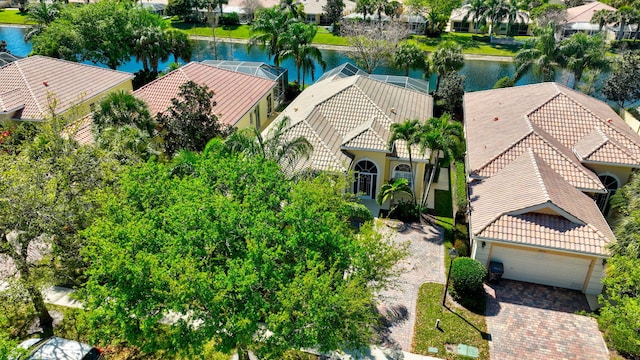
[[34, 87], [461, 20], [579, 19], [543, 161], [314, 14], [346, 116], [260, 69], [242, 100]]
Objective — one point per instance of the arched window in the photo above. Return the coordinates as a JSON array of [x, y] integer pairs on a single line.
[[403, 171], [611, 184], [366, 175]]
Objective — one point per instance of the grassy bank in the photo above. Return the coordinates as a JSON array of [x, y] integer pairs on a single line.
[[457, 325], [13, 17], [324, 37]]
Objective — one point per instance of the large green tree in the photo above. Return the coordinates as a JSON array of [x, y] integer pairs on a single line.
[[623, 83], [539, 53], [446, 59], [298, 45], [409, 56], [333, 10], [240, 257], [582, 52], [267, 28], [189, 123]]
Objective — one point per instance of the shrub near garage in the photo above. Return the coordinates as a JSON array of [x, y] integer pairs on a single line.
[[467, 276]]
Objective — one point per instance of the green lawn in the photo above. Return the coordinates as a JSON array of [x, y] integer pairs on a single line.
[[457, 326], [469, 44], [12, 17], [234, 32]]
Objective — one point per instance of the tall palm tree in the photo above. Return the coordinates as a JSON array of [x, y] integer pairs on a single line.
[[293, 8], [276, 146], [623, 16], [150, 47], [541, 52], [408, 131], [496, 11], [582, 52], [365, 7], [42, 14], [514, 15], [409, 56], [447, 58], [444, 138], [602, 17], [268, 26], [475, 10], [179, 45], [297, 44]]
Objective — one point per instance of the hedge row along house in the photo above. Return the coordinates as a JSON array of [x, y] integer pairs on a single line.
[[543, 161]]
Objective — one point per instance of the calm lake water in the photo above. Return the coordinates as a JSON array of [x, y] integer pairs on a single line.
[[480, 75]]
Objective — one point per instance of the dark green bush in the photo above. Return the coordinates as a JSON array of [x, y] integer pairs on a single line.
[[406, 211], [504, 82], [230, 19], [467, 276]]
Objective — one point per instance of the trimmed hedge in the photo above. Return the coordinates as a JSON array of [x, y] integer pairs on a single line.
[[467, 275]]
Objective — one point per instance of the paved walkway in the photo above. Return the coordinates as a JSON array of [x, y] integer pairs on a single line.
[[425, 264], [529, 321]]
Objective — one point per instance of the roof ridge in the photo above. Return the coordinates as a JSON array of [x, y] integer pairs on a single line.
[[27, 85], [538, 174], [313, 130], [604, 141], [371, 101], [615, 143], [574, 164]]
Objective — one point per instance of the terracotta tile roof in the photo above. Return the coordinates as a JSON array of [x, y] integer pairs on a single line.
[[338, 114], [598, 147], [234, 93], [513, 201], [81, 130], [584, 13], [559, 116], [39, 77]]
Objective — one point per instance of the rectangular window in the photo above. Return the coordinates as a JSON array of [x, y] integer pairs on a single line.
[[256, 112], [269, 105]]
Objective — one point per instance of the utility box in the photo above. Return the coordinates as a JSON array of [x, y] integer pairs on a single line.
[[496, 269]]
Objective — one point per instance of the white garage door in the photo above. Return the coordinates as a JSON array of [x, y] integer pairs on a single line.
[[542, 267]]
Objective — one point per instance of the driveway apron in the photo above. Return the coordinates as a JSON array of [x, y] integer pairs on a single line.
[[530, 321], [424, 264]]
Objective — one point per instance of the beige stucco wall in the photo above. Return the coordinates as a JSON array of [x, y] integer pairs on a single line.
[[619, 172], [631, 121], [83, 107], [385, 167], [265, 118]]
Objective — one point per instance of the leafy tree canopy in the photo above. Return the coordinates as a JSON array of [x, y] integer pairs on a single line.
[[249, 259], [623, 84]]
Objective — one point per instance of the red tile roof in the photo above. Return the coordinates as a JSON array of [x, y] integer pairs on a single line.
[[234, 93], [528, 202], [32, 81], [550, 118]]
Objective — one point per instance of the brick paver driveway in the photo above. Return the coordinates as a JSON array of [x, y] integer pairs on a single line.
[[424, 264], [528, 321]]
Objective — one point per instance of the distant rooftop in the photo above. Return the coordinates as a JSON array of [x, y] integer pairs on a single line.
[[349, 69]]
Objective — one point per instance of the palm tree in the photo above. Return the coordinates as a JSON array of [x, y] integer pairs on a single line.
[[496, 11], [602, 17], [365, 7], [294, 8], [514, 15], [447, 58], [582, 52], [179, 45], [150, 47], [409, 132], [297, 44], [541, 52], [410, 56], [393, 188], [624, 15], [269, 24], [445, 139], [42, 14], [478, 8], [276, 146], [121, 108]]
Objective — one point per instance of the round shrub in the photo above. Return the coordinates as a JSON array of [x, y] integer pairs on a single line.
[[467, 276]]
